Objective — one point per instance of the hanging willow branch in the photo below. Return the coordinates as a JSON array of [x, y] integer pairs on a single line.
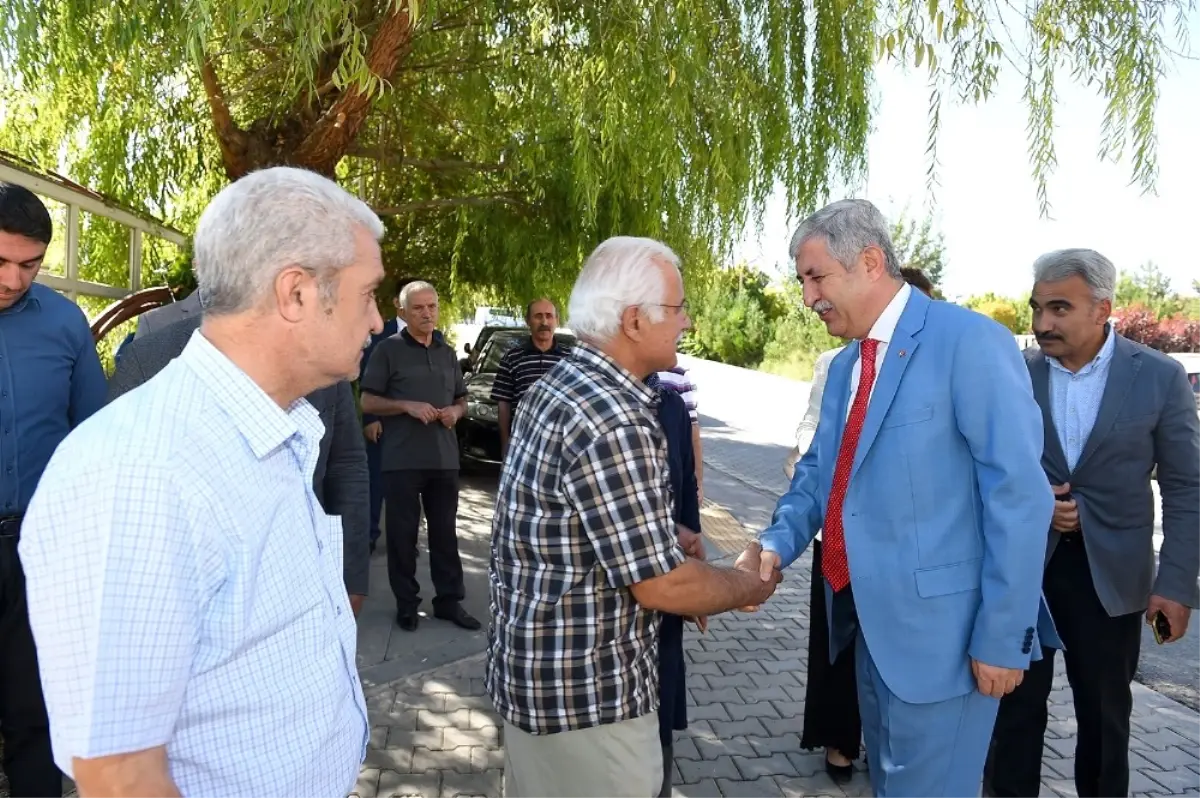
[[510, 135]]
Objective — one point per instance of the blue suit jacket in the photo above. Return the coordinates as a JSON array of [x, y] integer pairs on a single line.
[[946, 514]]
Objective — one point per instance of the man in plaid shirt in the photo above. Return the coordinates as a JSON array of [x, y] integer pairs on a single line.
[[584, 551]]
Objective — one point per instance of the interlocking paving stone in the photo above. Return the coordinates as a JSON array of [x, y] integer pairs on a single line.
[[714, 749], [436, 734], [692, 770]]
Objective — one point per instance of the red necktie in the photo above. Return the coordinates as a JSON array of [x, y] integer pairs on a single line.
[[834, 564]]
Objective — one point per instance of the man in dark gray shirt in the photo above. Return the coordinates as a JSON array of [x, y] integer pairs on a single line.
[[413, 382]]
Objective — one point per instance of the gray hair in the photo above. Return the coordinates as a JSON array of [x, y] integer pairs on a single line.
[[415, 287], [1095, 269], [619, 274], [267, 221], [848, 226]]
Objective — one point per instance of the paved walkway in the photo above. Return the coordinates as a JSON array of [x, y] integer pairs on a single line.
[[435, 734]]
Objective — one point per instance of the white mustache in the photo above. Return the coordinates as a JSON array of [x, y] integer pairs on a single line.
[[822, 306]]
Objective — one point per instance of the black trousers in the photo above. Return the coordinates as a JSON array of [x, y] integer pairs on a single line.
[[437, 492], [28, 761], [1101, 654], [831, 716]]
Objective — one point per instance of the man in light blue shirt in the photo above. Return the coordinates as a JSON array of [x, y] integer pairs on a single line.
[[185, 586], [1114, 412]]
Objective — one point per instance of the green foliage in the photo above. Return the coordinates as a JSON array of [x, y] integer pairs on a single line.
[[1149, 288], [505, 139], [734, 319], [730, 329], [505, 142], [1015, 314], [1145, 304], [798, 339], [919, 246]]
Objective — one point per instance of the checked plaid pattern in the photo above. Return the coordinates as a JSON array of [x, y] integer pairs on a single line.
[[582, 513]]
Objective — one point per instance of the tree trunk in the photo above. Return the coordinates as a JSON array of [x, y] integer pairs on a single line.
[[314, 142]]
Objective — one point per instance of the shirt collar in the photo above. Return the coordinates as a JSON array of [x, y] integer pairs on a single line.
[[555, 347], [437, 338], [885, 326], [593, 359], [30, 298], [263, 423], [1102, 357]]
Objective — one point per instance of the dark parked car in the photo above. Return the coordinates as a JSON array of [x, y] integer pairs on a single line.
[[475, 351], [479, 431]]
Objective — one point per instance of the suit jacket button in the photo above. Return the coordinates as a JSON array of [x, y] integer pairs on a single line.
[[1025, 649]]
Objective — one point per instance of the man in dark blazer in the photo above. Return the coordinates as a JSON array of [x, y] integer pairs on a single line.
[[340, 480], [1113, 410]]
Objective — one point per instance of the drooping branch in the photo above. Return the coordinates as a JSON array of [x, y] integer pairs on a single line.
[[230, 137], [476, 201], [333, 133], [431, 165]]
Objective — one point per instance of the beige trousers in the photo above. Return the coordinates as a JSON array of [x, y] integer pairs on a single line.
[[618, 760]]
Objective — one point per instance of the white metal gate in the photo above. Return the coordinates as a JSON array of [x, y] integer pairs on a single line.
[[77, 198]]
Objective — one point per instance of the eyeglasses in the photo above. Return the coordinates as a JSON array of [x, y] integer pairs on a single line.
[[682, 307]]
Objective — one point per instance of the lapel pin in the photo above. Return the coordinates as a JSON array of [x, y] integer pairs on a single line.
[[901, 353]]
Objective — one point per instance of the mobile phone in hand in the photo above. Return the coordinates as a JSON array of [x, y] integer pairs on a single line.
[[1161, 627]]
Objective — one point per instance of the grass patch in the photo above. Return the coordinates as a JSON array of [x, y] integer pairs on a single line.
[[797, 366]]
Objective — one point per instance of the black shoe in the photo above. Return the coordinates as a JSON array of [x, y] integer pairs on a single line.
[[459, 617], [372, 547], [841, 774], [408, 620]]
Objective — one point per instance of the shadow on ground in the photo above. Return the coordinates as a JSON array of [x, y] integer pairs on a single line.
[[386, 652]]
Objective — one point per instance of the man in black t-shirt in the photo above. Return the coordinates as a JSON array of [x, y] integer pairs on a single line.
[[413, 383]]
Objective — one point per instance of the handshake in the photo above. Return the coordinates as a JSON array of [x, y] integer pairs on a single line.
[[765, 566]]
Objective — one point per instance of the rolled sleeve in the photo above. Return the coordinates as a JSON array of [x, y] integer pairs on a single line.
[[619, 488], [115, 593]]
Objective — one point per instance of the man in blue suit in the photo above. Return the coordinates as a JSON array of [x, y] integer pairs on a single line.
[[927, 482]]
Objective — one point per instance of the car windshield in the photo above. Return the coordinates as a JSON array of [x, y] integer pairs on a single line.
[[503, 340], [498, 343]]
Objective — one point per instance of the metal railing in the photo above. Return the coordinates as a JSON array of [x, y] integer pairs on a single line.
[[77, 198]]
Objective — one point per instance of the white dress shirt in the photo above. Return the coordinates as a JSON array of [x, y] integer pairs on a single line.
[[185, 589], [882, 331]]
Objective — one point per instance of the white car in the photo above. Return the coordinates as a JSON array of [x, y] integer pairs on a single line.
[[1191, 364]]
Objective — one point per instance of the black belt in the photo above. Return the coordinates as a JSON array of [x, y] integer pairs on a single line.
[[10, 526]]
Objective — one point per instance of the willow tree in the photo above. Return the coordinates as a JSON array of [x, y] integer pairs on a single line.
[[503, 138]]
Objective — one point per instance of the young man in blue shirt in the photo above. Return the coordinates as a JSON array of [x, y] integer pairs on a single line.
[[50, 381]]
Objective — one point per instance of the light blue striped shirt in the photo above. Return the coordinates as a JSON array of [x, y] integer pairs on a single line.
[[185, 589], [1075, 399]]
